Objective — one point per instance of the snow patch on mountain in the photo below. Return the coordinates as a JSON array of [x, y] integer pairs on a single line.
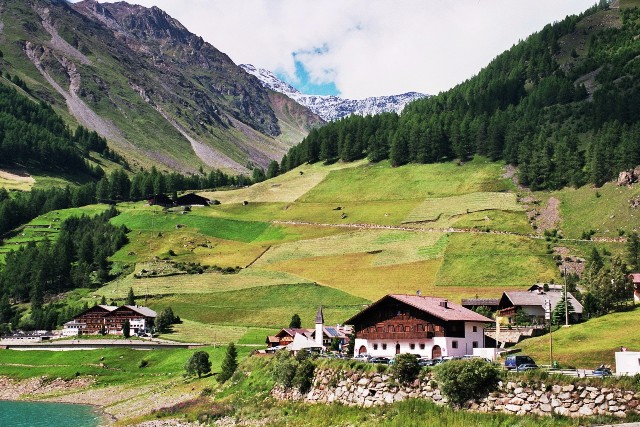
[[332, 108]]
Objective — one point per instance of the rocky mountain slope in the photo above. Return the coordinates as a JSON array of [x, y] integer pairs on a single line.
[[333, 108], [160, 94]]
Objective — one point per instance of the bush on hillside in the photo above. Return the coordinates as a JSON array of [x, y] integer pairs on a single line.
[[464, 380]]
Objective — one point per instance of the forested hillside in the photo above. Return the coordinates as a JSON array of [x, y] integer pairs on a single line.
[[563, 105], [33, 134]]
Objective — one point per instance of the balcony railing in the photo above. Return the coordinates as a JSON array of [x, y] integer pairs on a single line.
[[398, 335]]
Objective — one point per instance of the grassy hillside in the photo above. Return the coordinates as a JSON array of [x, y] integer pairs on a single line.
[[588, 344], [296, 250]]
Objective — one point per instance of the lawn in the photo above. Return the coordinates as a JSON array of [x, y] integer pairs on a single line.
[[588, 344]]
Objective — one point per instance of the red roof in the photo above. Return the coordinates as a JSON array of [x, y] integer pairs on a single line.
[[635, 277], [432, 306]]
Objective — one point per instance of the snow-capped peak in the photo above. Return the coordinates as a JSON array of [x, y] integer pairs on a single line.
[[332, 108]]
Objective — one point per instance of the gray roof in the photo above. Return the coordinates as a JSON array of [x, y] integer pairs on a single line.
[[537, 299], [145, 311], [319, 316]]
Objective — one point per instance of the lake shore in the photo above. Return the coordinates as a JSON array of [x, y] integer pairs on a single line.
[[114, 404]]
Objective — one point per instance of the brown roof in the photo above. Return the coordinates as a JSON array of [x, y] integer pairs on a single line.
[[274, 339], [432, 306], [293, 331]]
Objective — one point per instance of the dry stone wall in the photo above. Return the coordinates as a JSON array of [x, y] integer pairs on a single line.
[[366, 389]]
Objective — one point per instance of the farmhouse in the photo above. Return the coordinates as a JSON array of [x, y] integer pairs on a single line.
[[532, 302], [429, 326], [160, 200], [110, 319]]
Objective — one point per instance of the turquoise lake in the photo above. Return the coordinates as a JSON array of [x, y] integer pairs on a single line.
[[35, 414]]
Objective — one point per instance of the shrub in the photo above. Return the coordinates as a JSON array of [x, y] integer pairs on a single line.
[[284, 369], [405, 368], [463, 380], [143, 363], [303, 378]]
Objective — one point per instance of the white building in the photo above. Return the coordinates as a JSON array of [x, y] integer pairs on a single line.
[[627, 362], [427, 326]]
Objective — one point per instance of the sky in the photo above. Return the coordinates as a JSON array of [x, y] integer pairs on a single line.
[[362, 48]]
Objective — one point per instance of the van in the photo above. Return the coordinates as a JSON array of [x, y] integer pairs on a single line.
[[512, 362]]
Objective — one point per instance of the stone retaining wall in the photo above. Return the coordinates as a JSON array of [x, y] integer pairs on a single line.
[[356, 388]]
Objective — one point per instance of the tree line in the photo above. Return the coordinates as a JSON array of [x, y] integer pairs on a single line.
[[524, 108], [77, 259]]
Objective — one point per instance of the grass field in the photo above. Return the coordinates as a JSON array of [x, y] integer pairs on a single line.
[[448, 207], [605, 210], [588, 344], [266, 307]]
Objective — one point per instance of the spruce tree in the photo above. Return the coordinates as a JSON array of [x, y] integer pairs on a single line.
[[229, 364], [131, 299]]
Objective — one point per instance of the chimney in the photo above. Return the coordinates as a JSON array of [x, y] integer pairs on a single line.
[[419, 292], [444, 303]]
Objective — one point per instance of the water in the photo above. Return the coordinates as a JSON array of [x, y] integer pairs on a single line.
[[45, 414]]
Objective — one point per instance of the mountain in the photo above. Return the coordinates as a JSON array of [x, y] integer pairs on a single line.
[[159, 94], [563, 106], [332, 108]]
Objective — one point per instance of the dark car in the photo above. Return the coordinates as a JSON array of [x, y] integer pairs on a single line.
[[526, 367], [602, 371], [382, 360], [512, 362]]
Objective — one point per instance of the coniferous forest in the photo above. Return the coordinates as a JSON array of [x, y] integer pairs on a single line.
[[528, 107]]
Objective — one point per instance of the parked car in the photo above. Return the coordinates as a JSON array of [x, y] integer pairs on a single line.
[[382, 360], [363, 357], [512, 362], [602, 371], [526, 367]]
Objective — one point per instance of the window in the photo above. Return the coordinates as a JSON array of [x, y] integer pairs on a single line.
[[475, 329], [454, 344], [384, 346], [412, 346], [421, 346], [475, 344], [375, 346]]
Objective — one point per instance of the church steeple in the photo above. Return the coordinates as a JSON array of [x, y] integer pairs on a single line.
[[319, 327]]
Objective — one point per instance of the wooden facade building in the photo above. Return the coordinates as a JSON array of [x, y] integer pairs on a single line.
[[427, 326]]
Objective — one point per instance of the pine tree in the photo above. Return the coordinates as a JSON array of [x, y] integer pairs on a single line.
[[229, 364], [633, 251], [559, 315], [131, 299], [295, 321]]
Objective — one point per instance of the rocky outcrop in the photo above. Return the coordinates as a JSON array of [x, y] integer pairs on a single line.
[[629, 177], [364, 389]]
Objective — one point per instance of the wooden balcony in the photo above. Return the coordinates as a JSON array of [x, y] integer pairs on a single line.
[[398, 335]]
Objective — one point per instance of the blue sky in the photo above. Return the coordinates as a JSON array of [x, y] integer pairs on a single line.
[[302, 80], [362, 48]]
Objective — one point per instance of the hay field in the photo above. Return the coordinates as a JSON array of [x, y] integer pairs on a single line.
[[388, 247], [195, 283], [434, 209], [285, 188], [265, 307]]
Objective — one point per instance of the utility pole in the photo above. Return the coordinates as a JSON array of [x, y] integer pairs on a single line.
[[566, 302], [547, 316]]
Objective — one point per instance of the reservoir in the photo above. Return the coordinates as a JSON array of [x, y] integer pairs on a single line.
[[35, 414]]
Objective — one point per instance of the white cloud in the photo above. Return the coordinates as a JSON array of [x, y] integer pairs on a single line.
[[374, 47]]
